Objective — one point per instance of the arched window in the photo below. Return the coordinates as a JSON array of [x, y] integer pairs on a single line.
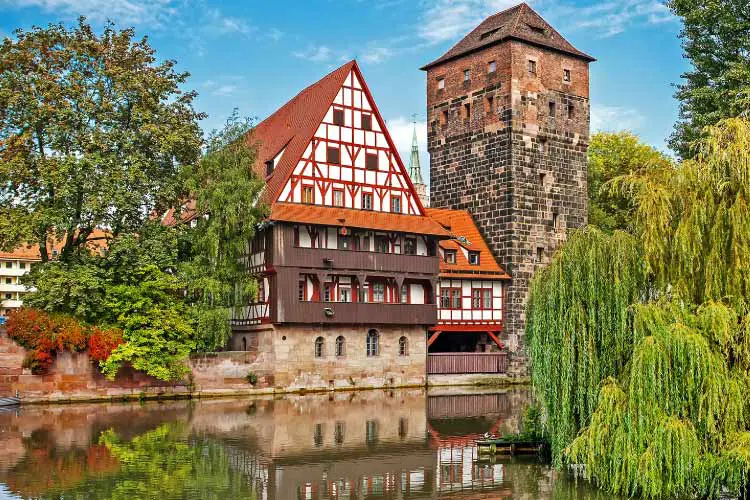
[[319, 347], [403, 346], [372, 343], [340, 346]]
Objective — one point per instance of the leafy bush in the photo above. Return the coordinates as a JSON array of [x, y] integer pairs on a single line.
[[252, 378], [44, 335]]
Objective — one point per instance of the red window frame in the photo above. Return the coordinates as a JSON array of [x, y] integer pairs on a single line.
[[371, 162], [368, 117], [330, 154], [338, 112], [453, 293]]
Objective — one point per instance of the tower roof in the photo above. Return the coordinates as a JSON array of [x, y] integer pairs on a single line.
[[415, 169], [519, 23]]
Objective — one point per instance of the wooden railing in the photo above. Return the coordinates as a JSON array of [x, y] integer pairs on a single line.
[[466, 362]]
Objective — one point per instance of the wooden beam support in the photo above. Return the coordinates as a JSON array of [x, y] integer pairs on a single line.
[[433, 338], [496, 340]]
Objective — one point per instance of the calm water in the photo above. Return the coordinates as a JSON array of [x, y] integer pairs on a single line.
[[366, 445]]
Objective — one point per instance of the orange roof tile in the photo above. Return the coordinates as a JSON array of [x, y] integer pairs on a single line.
[[291, 127], [521, 23], [27, 251], [460, 224], [348, 217]]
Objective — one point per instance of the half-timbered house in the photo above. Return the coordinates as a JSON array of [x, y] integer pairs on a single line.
[[348, 258]]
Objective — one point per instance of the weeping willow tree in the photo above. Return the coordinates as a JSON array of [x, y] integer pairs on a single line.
[[661, 406], [579, 325]]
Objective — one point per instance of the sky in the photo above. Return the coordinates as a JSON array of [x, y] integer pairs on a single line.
[[255, 55]]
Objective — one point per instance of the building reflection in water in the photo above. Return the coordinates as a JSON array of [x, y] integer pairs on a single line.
[[370, 444]]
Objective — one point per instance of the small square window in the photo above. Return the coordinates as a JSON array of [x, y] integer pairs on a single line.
[[467, 76], [491, 67], [367, 201], [396, 204], [566, 75], [338, 117], [367, 122], [308, 194], [338, 198], [333, 154], [441, 84], [450, 256], [531, 67], [474, 258], [371, 161]]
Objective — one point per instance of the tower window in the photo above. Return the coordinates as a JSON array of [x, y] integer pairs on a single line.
[[319, 347], [489, 104], [555, 221], [467, 76], [531, 67], [340, 346], [539, 254], [543, 145], [491, 67], [444, 117], [467, 111], [571, 110], [441, 84], [366, 122], [542, 178], [371, 161], [566, 75], [333, 155], [552, 109], [338, 117]]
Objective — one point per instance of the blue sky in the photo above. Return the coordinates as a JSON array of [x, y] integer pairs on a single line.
[[255, 55]]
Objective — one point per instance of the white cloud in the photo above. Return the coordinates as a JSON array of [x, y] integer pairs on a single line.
[[375, 55], [223, 24], [144, 12], [610, 118], [449, 19], [226, 86], [316, 54], [609, 18], [401, 129]]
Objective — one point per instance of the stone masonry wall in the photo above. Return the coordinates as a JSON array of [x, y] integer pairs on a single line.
[[516, 160]]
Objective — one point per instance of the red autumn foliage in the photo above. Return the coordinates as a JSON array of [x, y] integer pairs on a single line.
[[103, 342], [47, 334]]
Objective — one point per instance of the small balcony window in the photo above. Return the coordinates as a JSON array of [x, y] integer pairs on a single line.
[[410, 246], [404, 293], [382, 244], [378, 292]]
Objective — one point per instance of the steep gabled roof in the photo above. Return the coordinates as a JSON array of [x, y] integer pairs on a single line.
[[291, 127], [461, 226], [520, 23]]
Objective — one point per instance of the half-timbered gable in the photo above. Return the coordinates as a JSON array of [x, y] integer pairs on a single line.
[[350, 161]]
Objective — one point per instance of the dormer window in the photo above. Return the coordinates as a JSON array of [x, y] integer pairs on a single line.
[[366, 122], [539, 30], [488, 33], [441, 84], [474, 258], [269, 167], [338, 117], [450, 256]]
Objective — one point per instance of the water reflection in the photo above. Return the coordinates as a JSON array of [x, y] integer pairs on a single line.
[[385, 445]]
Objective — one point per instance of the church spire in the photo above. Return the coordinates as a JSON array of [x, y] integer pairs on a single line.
[[415, 169]]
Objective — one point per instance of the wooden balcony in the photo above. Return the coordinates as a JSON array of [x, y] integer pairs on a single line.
[[444, 363], [354, 313], [323, 258]]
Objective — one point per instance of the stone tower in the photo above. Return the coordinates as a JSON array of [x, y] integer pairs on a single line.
[[508, 131], [415, 170]]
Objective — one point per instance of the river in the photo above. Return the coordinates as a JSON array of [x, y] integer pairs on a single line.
[[399, 444]]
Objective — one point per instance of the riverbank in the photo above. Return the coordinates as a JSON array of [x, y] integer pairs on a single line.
[[73, 378]]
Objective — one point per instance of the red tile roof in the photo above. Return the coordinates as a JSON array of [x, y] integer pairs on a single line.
[[291, 127], [347, 217], [520, 23], [460, 224], [28, 251], [187, 213]]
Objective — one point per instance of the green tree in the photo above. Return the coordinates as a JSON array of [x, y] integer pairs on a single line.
[[226, 211], [671, 417], [613, 154], [715, 40], [93, 133]]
